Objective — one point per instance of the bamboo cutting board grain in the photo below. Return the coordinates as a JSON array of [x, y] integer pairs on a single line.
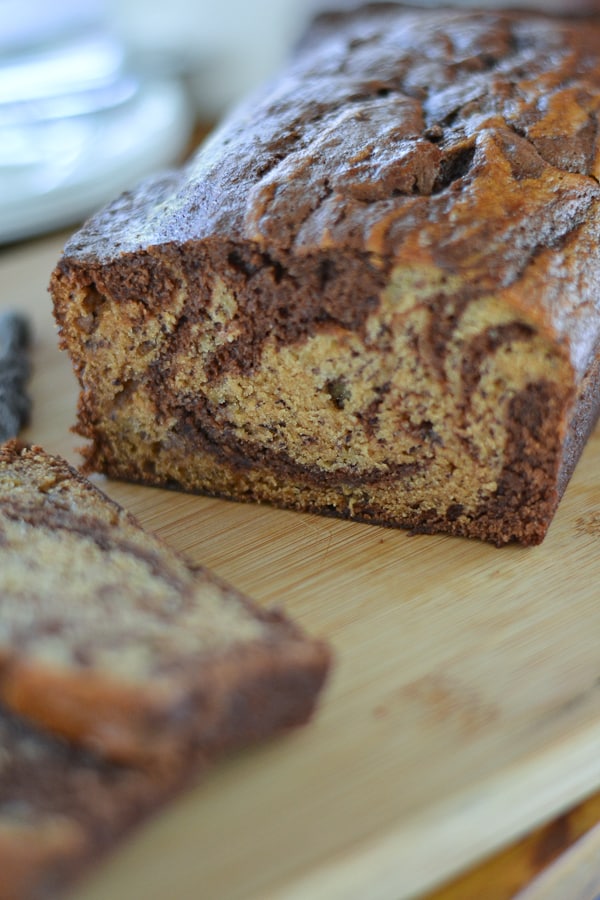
[[464, 707]]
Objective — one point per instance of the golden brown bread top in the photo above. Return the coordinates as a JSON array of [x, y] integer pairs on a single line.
[[466, 141]]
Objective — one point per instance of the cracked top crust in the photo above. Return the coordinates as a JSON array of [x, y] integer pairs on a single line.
[[466, 141], [378, 116]]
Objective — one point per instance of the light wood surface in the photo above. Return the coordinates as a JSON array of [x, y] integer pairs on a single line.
[[464, 707]]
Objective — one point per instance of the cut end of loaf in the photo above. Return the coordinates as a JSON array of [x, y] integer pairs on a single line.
[[436, 410]]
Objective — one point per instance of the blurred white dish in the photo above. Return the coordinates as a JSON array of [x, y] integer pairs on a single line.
[[78, 125], [56, 171]]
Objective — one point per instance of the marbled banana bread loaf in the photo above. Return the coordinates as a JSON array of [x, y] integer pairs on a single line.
[[373, 293], [110, 639]]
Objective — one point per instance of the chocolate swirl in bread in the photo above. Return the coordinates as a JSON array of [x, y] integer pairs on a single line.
[[374, 291]]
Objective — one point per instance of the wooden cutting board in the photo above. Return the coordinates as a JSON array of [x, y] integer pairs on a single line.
[[464, 708]]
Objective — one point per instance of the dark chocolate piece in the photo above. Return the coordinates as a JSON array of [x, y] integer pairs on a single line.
[[15, 369]]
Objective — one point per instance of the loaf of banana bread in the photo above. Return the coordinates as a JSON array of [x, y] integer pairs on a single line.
[[110, 639], [373, 293]]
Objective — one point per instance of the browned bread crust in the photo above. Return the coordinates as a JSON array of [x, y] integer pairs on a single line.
[[373, 293], [110, 639]]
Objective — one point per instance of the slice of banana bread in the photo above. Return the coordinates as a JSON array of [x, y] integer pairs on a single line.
[[373, 293], [62, 809], [112, 640]]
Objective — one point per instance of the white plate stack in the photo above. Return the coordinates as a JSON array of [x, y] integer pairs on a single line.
[[77, 124]]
